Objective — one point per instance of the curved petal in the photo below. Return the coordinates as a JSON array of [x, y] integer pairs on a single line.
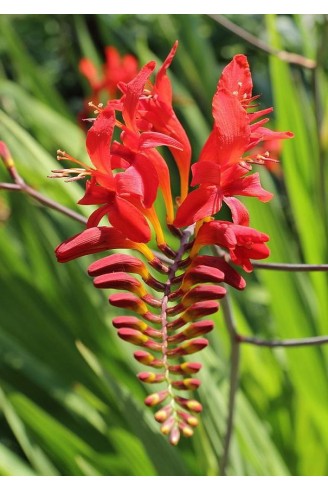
[[216, 232], [132, 91], [247, 186], [99, 139], [95, 217], [151, 139], [199, 204], [129, 220], [150, 179], [95, 194], [163, 85], [239, 213]]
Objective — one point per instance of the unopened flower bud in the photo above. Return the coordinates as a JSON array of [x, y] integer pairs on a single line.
[[156, 398], [188, 347], [186, 384], [147, 359], [163, 413], [191, 405], [147, 377]]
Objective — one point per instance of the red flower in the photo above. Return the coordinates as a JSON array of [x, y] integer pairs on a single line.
[[151, 108], [242, 242], [222, 168], [116, 69]]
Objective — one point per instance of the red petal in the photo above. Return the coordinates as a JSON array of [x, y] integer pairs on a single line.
[[97, 215], [247, 186], [129, 220], [239, 212], [99, 138], [205, 173], [88, 69], [133, 90], [95, 194], [233, 132], [151, 139], [236, 78], [163, 84], [266, 134], [199, 204], [217, 232], [150, 179]]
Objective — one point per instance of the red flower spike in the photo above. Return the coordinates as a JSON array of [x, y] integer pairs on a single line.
[[124, 184]]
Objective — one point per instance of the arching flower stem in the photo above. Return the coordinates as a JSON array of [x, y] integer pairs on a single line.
[[184, 245]]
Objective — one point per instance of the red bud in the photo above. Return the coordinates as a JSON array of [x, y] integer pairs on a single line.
[[186, 384], [147, 377], [191, 405], [118, 263], [156, 398], [188, 347]]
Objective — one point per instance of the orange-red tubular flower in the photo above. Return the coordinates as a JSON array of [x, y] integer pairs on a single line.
[[164, 316], [242, 242], [116, 69], [158, 111], [221, 170]]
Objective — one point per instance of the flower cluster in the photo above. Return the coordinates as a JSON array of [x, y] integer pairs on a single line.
[[170, 292]]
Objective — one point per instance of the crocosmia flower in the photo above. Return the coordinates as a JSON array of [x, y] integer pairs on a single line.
[[165, 285]]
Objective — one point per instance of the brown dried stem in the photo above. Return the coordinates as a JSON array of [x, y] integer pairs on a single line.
[[293, 58], [304, 342], [20, 185]]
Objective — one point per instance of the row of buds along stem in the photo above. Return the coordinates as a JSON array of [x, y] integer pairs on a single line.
[[167, 322], [167, 293]]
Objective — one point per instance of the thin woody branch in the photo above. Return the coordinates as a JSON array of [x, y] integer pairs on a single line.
[[304, 342], [293, 58], [20, 185], [275, 266]]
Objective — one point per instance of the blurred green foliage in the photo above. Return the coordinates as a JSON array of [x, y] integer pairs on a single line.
[[70, 403]]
